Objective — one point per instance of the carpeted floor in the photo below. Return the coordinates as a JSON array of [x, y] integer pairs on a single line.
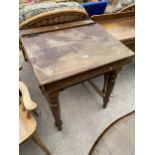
[[81, 111]]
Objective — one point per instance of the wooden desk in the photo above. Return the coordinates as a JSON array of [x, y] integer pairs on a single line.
[[118, 138], [69, 56], [120, 25]]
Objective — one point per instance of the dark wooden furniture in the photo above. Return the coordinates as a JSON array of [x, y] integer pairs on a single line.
[[118, 138], [67, 54], [27, 123], [120, 25]]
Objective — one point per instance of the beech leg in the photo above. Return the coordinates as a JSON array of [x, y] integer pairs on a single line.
[[39, 143]]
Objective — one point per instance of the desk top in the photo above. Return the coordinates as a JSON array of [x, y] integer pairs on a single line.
[[120, 25], [60, 54]]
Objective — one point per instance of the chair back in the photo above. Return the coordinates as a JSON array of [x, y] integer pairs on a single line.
[[27, 123], [50, 13]]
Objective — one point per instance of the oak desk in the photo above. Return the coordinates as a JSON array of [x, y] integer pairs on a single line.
[[63, 57]]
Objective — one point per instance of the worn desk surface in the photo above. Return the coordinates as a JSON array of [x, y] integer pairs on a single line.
[[60, 54]]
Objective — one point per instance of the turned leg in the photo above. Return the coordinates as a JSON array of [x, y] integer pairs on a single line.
[[110, 82], [55, 107], [38, 141], [105, 83]]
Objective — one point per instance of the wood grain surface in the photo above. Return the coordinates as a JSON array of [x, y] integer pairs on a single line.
[[61, 54], [27, 101], [117, 139], [120, 25], [45, 29], [27, 126]]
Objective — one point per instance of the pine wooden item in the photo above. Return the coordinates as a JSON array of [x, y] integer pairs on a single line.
[[118, 138], [27, 123], [62, 58], [120, 25]]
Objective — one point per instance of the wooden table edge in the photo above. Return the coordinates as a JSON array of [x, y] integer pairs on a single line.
[[123, 59], [108, 127]]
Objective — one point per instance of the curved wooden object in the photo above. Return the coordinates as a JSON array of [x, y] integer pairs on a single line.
[[81, 14], [27, 127], [116, 139], [27, 123], [28, 103]]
